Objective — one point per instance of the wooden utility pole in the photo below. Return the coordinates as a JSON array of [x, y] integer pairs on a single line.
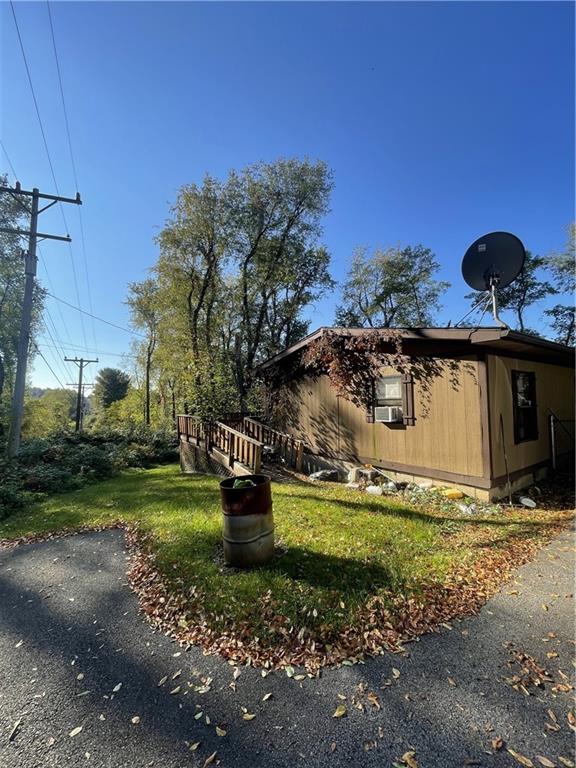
[[84, 385], [81, 363], [31, 261]]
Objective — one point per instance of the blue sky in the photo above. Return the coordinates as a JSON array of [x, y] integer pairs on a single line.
[[441, 121]]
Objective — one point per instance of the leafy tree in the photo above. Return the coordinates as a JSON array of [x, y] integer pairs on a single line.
[[563, 268], [238, 264], [528, 289], [391, 288], [142, 301], [50, 413], [111, 385]]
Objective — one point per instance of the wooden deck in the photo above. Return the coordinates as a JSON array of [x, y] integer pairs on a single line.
[[237, 444]]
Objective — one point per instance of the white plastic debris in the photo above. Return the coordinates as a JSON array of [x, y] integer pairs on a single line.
[[375, 490], [526, 501]]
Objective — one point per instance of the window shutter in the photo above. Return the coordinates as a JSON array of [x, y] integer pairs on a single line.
[[370, 408], [409, 416]]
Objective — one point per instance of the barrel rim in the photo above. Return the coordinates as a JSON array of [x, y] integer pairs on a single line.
[[259, 480]]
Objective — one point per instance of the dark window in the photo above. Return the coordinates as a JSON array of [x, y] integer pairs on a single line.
[[524, 403]]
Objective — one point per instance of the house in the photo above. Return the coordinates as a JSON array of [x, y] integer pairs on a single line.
[[486, 410]]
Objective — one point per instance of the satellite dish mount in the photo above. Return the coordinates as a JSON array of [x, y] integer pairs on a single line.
[[493, 261]]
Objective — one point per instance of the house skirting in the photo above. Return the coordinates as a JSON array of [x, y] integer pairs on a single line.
[[481, 488]]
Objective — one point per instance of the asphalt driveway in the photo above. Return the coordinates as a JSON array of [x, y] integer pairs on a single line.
[[75, 654]]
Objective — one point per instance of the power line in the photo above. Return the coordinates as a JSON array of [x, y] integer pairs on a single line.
[[92, 350], [100, 319], [41, 255], [42, 131], [7, 156], [49, 366], [74, 172]]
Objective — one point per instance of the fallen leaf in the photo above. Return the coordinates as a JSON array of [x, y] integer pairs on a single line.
[[198, 715], [80, 676], [266, 696], [236, 673], [396, 675], [545, 762], [135, 720], [544, 607], [410, 759], [162, 680], [521, 758], [117, 688], [452, 681], [497, 743], [176, 690], [14, 730], [220, 731], [176, 674], [374, 700], [290, 671], [194, 747], [341, 696], [248, 716], [210, 759], [299, 677], [75, 731], [51, 741], [566, 761], [332, 746], [208, 721], [340, 711], [19, 643]]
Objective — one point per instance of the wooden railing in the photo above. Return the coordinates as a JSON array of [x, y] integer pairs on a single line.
[[237, 446], [191, 429], [291, 449], [243, 445]]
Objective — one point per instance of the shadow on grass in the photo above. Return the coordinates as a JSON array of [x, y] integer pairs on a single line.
[[412, 513]]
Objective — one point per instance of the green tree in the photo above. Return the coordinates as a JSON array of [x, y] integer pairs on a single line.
[[52, 412], [391, 288], [111, 385], [563, 268], [239, 262], [142, 300]]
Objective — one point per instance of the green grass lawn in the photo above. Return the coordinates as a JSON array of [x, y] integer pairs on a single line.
[[337, 547]]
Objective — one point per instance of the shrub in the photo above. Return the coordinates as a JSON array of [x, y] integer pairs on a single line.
[[67, 460]]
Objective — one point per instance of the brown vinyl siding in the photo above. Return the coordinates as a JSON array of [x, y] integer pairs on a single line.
[[554, 390], [446, 436]]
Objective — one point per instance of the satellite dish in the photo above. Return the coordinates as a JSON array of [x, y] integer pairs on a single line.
[[493, 261]]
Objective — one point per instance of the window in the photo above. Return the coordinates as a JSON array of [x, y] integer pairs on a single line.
[[524, 404], [394, 390], [388, 391]]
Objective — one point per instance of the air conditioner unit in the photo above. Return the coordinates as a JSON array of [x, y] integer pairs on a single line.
[[388, 414]]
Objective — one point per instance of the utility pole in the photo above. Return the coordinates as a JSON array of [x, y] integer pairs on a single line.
[[31, 261], [81, 363], [84, 385]]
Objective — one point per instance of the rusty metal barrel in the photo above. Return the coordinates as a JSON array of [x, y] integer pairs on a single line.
[[248, 533]]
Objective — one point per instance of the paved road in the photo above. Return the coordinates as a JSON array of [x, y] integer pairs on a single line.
[[70, 633]]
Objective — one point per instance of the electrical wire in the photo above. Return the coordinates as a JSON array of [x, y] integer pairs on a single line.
[[90, 350], [7, 156], [73, 162], [42, 131], [100, 319], [49, 366]]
